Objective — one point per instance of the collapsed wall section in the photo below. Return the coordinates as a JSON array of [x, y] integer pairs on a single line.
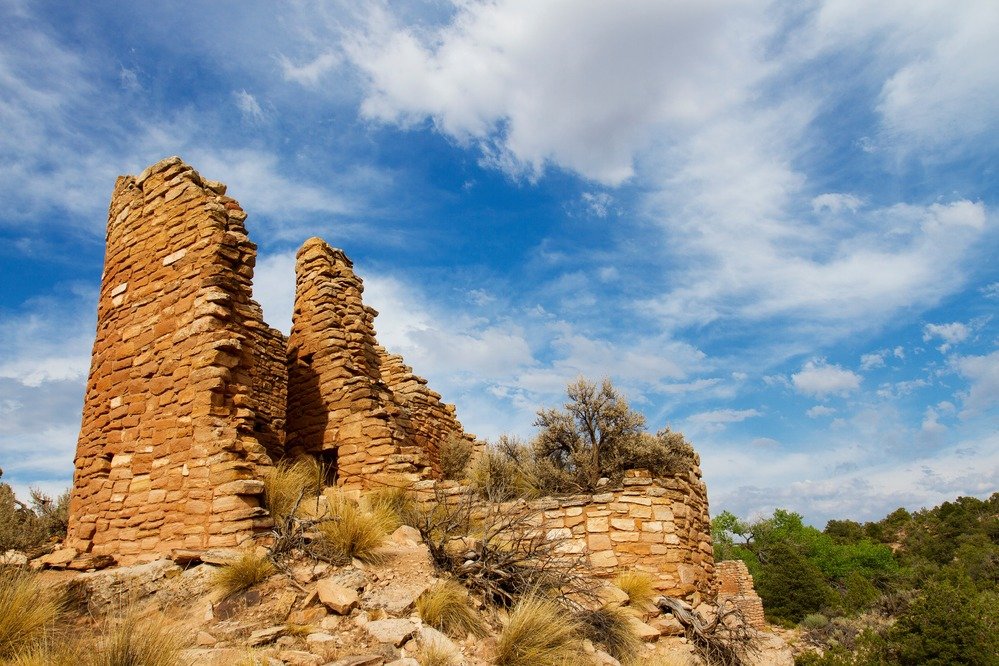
[[735, 584], [431, 423], [339, 409], [186, 393]]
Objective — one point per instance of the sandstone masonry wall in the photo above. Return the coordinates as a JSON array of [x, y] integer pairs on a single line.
[[191, 397], [736, 585], [186, 388], [659, 526], [349, 402], [431, 422]]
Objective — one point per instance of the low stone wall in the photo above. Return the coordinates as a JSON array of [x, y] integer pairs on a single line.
[[736, 585], [659, 526]]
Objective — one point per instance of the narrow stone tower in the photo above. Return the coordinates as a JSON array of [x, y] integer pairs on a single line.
[[187, 387], [339, 408]]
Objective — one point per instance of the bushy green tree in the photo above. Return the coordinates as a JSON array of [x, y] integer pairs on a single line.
[[29, 527], [596, 434], [950, 623], [791, 587]]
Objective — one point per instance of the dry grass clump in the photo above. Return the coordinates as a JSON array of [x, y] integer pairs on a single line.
[[395, 501], [434, 653], [445, 606], [539, 632], [131, 640], [48, 654], [245, 572], [611, 625], [27, 611], [639, 587], [351, 531], [288, 482]]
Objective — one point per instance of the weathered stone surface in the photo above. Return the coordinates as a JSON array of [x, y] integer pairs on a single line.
[[337, 597], [57, 559], [268, 635], [406, 535], [299, 658], [667, 625], [360, 660], [642, 630], [393, 631], [13, 558], [104, 589]]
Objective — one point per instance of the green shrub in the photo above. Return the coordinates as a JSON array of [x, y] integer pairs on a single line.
[[815, 621], [455, 454], [791, 587], [948, 624], [859, 594], [29, 528], [505, 471]]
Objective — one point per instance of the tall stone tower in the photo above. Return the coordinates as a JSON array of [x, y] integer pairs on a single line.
[[186, 395]]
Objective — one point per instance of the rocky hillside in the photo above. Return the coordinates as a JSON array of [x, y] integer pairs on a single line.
[[309, 613]]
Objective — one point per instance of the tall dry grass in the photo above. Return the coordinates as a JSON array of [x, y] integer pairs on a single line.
[[289, 482], [446, 606], [128, 639], [27, 612], [244, 573], [612, 626], [539, 632], [640, 588], [352, 531], [395, 501]]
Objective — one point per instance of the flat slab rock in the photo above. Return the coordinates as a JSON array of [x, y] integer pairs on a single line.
[[360, 660], [394, 631], [337, 597]]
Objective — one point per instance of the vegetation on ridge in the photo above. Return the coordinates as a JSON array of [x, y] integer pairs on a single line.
[[911, 588]]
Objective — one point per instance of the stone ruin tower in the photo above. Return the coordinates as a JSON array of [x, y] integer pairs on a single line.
[[191, 397]]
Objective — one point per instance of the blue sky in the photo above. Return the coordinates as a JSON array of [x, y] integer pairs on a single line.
[[773, 225]]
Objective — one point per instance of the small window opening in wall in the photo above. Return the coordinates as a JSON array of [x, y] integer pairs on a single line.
[[327, 464]]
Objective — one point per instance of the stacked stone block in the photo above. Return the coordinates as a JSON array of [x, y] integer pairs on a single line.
[[659, 526], [341, 405], [431, 422], [735, 584], [184, 392]]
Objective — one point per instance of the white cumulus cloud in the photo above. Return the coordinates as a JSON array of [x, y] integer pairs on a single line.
[[820, 379]]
